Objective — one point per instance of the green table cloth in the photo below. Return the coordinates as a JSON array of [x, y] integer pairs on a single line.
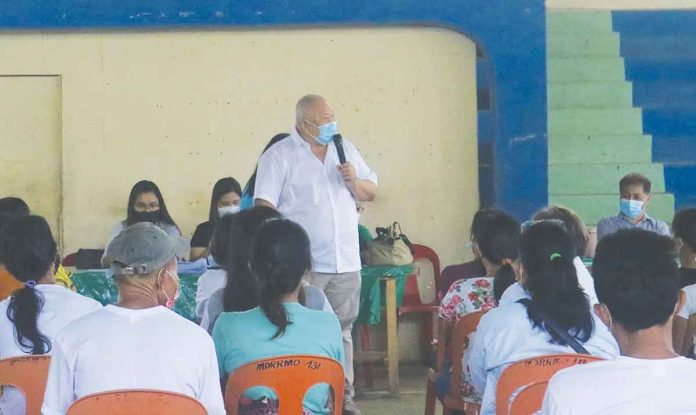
[[98, 285], [371, 296]]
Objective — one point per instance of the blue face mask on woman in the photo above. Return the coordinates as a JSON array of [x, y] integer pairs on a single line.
[[326, 132], [631, 208]]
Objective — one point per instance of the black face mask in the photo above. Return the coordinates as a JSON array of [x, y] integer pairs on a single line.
[[152, 217]]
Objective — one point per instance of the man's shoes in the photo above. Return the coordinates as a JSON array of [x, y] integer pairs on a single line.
[[349, 407]]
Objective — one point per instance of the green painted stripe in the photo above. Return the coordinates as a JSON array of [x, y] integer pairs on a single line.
[[595, 122], [579, 179], [592, 208], [582, 44], [590, 95], [618, 149], [586, 69], [569, 21]]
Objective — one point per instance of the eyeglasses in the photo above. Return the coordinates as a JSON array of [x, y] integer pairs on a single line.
[[530, 223]]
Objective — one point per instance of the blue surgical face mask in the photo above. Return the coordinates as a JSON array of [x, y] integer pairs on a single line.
[[326, 132], [631, 208]]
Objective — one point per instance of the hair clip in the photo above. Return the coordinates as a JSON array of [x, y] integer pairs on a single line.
[[30, 284], [555, 255]]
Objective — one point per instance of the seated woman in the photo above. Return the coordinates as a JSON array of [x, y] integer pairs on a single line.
[[684, 328], [234, 287], [280, 325], [146, 204], [137, 343], [248, 193], [497, 246], [454, 273], [579, 236], [225, 200], [515, 331], [31, 317]]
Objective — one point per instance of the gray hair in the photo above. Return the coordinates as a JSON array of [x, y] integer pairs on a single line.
[[303, 106]]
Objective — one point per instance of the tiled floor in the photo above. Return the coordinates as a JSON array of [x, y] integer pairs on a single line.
[[412, 397]]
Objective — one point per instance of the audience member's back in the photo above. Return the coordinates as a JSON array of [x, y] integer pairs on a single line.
[[280, 325], [31, 317], [514, 332], [137, 343], [637, 285]]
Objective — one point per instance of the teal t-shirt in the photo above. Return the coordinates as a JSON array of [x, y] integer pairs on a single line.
[[246, 336]]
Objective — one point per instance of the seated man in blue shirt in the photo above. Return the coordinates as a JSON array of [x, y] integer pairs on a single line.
[[635, 196]]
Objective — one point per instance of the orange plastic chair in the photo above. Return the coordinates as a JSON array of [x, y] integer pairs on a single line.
[[529, 400], [290, 377], [466, 325], [28, 374], [533, 370], [136, 401]]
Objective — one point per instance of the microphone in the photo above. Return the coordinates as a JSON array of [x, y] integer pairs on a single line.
[[338, 142]]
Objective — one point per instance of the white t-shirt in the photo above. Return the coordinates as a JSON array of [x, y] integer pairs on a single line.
[[119, 348], [624, 386], [314, 195], [505, 335], [212, 280], [516, 292], [61, 306], [689, 307]]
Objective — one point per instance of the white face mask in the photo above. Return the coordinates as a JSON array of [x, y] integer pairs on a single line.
[[228, 210]]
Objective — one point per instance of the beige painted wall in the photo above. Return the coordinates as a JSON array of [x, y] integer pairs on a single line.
[[30, 147], [621, 4], [186, 108]]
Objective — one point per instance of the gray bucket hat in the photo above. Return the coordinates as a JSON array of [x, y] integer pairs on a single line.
[[143, 248]]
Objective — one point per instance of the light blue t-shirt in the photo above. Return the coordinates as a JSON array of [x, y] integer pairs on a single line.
[[246, 336]]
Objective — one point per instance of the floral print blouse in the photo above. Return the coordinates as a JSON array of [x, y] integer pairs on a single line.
[[467, 296]]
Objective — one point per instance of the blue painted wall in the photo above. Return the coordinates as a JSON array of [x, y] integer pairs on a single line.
[[509, 33], [659, 48]]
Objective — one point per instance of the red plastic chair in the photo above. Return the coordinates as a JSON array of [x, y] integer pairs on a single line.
[[529, 400], [69, 260], [28, 374], [466, 325], [290, 377], [424, 259], [530, 371], [136, 401]]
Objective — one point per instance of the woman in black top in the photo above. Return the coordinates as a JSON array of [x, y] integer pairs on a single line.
[[225, 200]]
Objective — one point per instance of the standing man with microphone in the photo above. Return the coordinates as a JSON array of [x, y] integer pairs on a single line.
[[315, 178]]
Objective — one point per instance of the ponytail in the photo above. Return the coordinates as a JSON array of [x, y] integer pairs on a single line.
[[547, 255], [242, 290], [271, 301], [28, 251], [504, 278], [23, 311]]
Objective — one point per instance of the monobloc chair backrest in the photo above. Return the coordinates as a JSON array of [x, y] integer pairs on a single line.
[[28, 374], [533, 370], [529, 400], [466, 325], [136, 402], [422, 286], [290, 377]]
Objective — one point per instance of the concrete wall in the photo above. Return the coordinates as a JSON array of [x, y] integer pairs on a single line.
[[186, 108]]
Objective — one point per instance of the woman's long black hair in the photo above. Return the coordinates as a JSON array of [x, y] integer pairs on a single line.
[[499, 243], [146, 186], [249, 188], [280, 257], [27, 250], [222, 187], [547, 254], [231, 248]]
